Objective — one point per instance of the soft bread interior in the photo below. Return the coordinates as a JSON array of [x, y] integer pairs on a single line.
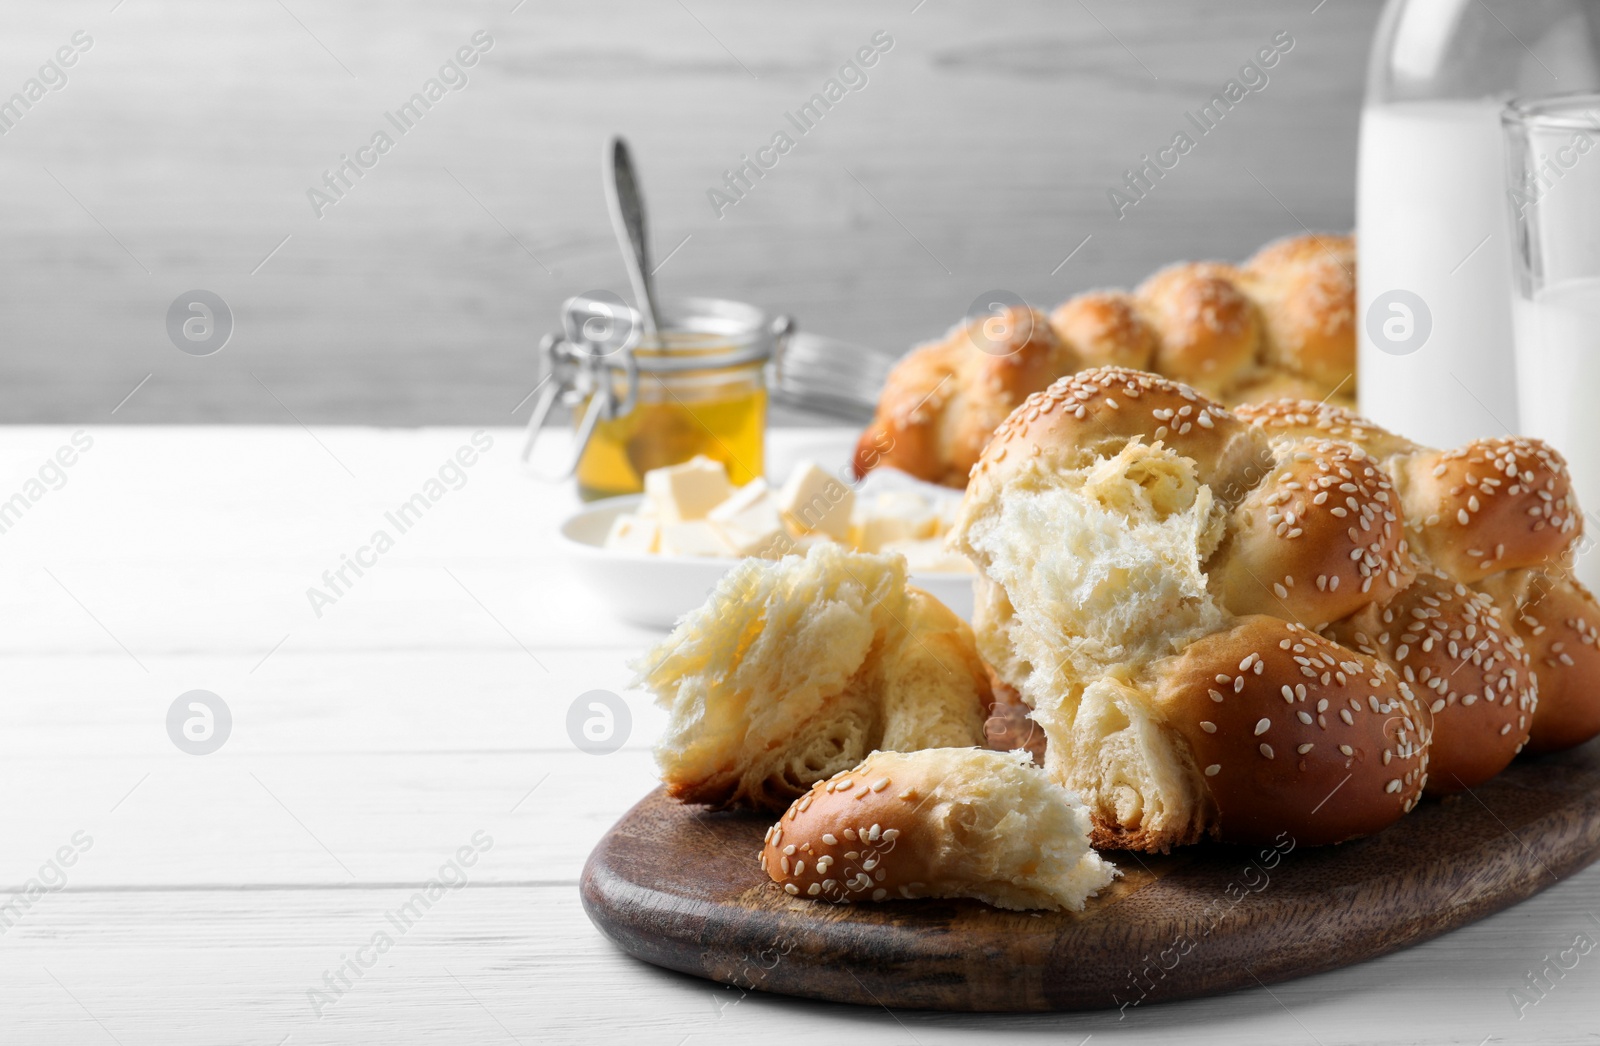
[[795, 670], [1100, 566], [1110, 746], [1102, 572], [932, 689], [1004, 832]]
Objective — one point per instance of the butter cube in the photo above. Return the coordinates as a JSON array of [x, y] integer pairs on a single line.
[[751, 497], [930, 556], [630, 533], [813, 502], [877, 531], [681, 493], [907, 503], [765, 544], [758, 532], [893, 516], [749, 522], [693, 538]]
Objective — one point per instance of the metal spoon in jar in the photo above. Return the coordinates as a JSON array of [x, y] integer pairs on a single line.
[[628, 221]]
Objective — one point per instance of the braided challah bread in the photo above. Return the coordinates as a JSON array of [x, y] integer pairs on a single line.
[[941, 403], [797, 669], [1556, 619], [1278, 619], [1498, 514], [1281, 325], [1464, 664]]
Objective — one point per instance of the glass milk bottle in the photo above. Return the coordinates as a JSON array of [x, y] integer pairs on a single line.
[[1434, 259]]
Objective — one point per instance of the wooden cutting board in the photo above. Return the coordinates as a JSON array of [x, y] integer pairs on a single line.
[[679, 887]]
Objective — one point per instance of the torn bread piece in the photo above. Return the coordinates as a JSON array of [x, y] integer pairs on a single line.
[[797, 669], [944, 822]]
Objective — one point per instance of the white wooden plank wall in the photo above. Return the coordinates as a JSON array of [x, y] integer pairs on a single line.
[[179, 153]]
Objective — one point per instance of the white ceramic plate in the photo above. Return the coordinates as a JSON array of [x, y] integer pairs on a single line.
[[655, 590]]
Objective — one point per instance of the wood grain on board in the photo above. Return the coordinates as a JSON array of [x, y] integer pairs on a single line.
[[679, 887]]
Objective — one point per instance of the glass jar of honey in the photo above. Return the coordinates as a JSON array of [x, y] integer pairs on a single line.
[[641, 401]]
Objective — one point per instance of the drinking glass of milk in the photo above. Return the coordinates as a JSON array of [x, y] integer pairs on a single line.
[[1434, 266], [1553, 188]]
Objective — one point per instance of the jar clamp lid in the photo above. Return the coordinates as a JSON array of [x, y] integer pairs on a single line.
[[599, 350], [603, 347]]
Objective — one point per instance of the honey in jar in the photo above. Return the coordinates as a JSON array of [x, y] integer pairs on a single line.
[[721, 416], [696, 387]]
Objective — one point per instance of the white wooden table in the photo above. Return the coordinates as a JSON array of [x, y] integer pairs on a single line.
[[210, 894]]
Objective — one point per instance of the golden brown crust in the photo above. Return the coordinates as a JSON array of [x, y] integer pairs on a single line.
[[943, 401], [1295, 735], [1282, 325], [853, 837], [1270, 386], [1466, 666], [907, 432], [1288, 419], [1292, 252], [1212, 331], [1305, 288], [1319, 538], [1492, 505], [1450, 568], [1559, 622], [1105, 329], [945, 822], [1107, 834], [1087, 413]]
